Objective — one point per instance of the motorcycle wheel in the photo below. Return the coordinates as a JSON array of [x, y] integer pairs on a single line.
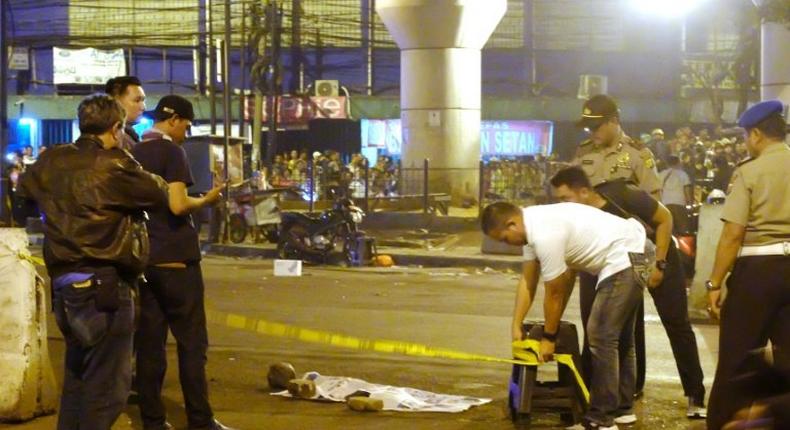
[[286, 248], [272, 234], [238, 228]]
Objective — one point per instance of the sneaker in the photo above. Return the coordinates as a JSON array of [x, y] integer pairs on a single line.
[[625, 419], [696, 410]]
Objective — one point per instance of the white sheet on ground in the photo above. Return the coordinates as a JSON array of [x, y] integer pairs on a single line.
[[337, 388]]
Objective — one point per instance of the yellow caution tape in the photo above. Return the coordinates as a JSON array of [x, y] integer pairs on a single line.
[[525, 351], [36, 261]]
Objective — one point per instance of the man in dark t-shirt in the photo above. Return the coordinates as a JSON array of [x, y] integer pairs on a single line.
[[667, 282], [172, 297]]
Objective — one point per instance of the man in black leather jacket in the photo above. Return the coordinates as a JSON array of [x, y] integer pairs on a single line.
[[92, 196]]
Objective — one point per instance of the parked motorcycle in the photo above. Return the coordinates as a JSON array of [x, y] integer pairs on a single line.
[[314, 238]]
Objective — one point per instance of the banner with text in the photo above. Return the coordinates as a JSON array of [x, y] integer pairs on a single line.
[[497, 138], [87, 66], [298, 111]]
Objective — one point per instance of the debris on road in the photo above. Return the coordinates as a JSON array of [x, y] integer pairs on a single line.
[[365, 404], [302, 388], [280, 374], [402, 399]]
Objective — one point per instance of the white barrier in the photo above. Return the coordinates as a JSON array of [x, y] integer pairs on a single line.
[[710, 226], [27, 383]]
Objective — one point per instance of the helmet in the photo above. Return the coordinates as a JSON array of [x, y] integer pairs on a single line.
[[716, 196]]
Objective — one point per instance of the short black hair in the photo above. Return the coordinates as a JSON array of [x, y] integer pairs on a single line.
[[495, 215], [673, 160], [117, 86], [573, 177], [773, 127]]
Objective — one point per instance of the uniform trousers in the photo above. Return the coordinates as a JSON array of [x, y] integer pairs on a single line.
[[756, 309], [173, 298], [671, 303]]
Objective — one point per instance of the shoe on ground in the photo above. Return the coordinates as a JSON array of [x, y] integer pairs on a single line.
[[595, 426], [696, 410], [215, 425], [165, 426], [625, 419]]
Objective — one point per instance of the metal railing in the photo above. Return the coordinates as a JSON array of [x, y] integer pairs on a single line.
[[393, 187]]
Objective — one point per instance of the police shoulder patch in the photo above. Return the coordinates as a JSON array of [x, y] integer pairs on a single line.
[[636, 144], [649, 163], [735, 175]]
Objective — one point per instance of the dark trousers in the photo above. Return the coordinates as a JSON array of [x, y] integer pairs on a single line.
[[172, 298], [757, 308], [671, 303], [98, 357]]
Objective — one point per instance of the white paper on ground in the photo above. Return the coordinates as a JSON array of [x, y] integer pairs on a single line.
[[336, 388]]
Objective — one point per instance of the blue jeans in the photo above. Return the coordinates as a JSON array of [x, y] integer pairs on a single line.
[[97, 373], [610, 331]]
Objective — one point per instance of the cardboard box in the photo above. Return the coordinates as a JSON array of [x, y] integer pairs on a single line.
[[287, 267]]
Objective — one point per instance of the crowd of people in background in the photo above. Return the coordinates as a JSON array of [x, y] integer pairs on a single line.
[[333, 176], [709, 161], [16, 164]]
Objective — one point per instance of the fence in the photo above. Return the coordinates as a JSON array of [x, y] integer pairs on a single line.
[[393, 187]]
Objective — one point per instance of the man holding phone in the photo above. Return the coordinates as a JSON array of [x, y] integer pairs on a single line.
[[172, 297]]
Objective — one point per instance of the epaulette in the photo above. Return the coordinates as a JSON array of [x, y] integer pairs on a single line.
[[744, 162], [638, 145], [584, 148]]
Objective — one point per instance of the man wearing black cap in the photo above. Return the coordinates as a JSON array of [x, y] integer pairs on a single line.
[[609, 154], [754, 248], [172, 297], [128, 91]]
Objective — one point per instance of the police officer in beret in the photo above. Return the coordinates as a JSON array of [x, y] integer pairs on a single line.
[[754, 248], [608, 155]]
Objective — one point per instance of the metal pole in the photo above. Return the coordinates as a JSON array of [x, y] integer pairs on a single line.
[[480, 191], [370, 42], [227, 116], [311, 175], [367, 185], [212, 69], [296, 47], [4, 185], [243, 66], [425, 186]]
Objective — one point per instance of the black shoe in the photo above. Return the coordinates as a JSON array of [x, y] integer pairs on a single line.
[[165, 426], [215, 425]]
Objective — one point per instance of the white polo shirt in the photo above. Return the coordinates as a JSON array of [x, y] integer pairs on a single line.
[[581, 237]]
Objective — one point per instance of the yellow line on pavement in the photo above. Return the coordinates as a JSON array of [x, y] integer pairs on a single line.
[[525, 351]]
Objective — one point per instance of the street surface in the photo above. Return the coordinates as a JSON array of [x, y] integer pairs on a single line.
[[462, 309]]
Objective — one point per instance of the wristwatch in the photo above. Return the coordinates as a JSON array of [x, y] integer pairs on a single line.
[[709, 286], [661, 265]]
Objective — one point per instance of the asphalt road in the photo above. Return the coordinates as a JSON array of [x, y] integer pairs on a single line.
[[462, 309]]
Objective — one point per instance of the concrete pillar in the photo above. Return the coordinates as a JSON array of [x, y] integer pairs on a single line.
[[441, 42], [775, 62]]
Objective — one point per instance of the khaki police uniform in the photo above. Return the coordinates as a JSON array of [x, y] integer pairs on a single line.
[[626, 159], [757, 306]]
